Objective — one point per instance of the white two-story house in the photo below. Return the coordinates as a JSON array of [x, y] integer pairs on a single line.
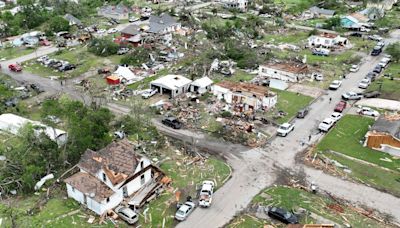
[[109, 176]]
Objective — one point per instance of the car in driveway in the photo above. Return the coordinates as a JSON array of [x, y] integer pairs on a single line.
[[352, 96], [148, 93], [354, 68], [172, 122], [127, 214], [367, 111], [302, 113], [336, 116], [326, 124], [364, 83], [15, 67], [206, 193], [184, 210], [282, 215], [339, 107], [335, 84], [284, 129], [372, 94]]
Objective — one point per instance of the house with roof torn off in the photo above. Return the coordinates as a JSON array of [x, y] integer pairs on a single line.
[[111, 175], [244, 97]]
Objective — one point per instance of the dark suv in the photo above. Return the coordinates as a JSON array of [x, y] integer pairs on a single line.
[[302, 113], [172, 122], [282, 215], [376, 51]]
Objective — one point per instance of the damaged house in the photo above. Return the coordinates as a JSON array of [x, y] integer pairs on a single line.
[[163, 24], [111, 175], [327, 40], [384, 135], [201, 85], [173, 85], [289, 72], [244, 96]]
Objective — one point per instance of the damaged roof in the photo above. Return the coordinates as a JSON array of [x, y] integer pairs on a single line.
[[297, 68], [246, 89], [159, 23], [387, 124], [131, 30], [89, 184], [118, 160]]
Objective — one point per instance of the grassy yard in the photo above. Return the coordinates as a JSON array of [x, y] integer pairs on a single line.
[[393, 70], [79, 56], [290, 103], [292, 37], [10, 53], [361, 44], [246, 221], [390, 89], [349, 131], [53, 214], [238, 76]]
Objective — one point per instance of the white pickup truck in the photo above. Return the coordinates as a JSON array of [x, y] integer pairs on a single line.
[[352, 96], [206, 192]]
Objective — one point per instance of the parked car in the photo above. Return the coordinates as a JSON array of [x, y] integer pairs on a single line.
[[354, 68], [372, 94], [45, 43], [321, 51], [133, 19], [206, 193], [127, 214], [184, 210], [302, 113], [371, 76], [66, 67], [381, 44], [384, 62], [149, 93], [377, 69], [172, 122], [41, 59], [285, 128], [375, 37], [364, 83], [352, 96], [15, 67], [336, 116], [367, 111], [112, 30], [122, 51], [318, 77], [335, 84], [376, 51], [282, 215], [340, 106], [326, 124]]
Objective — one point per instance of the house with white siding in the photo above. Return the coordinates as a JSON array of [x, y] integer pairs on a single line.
[[288, 72], [110, 175]]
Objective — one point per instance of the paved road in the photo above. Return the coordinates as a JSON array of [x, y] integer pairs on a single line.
[[256, 169]]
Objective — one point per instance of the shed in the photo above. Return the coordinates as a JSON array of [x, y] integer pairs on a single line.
[[113, 80], [173, 85], [201, 85]]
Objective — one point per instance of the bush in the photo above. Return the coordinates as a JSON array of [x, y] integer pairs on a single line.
[[226, 114], [139, 56]]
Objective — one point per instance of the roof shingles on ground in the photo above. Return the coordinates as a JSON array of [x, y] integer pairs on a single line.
[[246, 88], [289, 67]]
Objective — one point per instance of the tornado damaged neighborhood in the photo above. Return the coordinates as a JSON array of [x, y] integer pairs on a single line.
[[200, 113]]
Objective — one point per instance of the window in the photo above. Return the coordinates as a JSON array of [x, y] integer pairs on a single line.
[[141, 164], [142, 179], [108, 199], [104, 177], [73, 189]]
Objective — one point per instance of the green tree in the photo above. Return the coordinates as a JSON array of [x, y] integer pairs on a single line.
[[394, 51], [58, 24], [332, 23], [103, 47]]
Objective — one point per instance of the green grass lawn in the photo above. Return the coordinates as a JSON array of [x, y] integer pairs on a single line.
[[345, 138], [361, 44], [246, 221], [290, 103], [293, 37], [84, 61], [10, 53], [393, 69], [390, 89]]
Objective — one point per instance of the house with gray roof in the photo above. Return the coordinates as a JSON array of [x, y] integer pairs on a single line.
[[316, 12], [384, 135], [163, 24], [119, 12]]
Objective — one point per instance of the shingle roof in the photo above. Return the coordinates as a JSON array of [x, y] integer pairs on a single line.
[[383, 124], [118, 160], [86, 183], [159, 23], [318, 10], [131, 30]]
